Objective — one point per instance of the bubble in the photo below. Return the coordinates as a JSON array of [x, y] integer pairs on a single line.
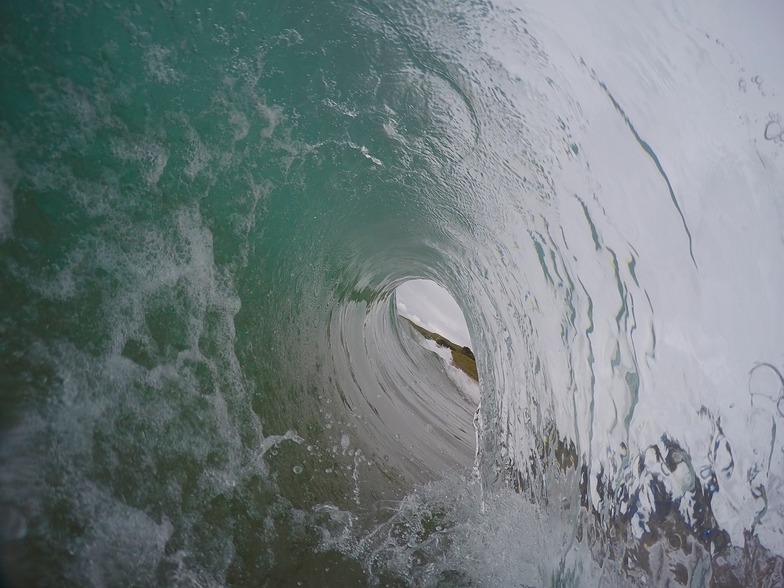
[[675, 541], [773, 130], [297, 469], [742, 85]]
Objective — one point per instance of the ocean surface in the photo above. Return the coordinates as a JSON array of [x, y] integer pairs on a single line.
[[205, 212]]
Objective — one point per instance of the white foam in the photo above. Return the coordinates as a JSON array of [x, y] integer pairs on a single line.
[[439, 531], [157, 62], [148, 151]]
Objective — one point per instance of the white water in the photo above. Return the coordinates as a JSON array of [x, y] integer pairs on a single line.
[[681, 283]]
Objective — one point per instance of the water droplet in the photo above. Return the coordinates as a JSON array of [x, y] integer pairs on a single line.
[[297, 469]]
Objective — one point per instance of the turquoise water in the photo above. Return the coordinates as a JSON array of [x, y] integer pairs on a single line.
[[205, 212]]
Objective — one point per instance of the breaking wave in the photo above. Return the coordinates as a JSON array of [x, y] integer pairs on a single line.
[[205, 213]]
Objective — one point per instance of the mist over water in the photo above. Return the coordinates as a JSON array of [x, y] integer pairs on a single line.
[[206, 211]]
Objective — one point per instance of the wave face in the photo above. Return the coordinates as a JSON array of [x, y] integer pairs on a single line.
[[205, 212]]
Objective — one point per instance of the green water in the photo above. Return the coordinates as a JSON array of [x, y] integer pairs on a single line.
[[189, 189]]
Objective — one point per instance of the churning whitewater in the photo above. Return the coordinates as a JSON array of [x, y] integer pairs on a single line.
[[206, 211]]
